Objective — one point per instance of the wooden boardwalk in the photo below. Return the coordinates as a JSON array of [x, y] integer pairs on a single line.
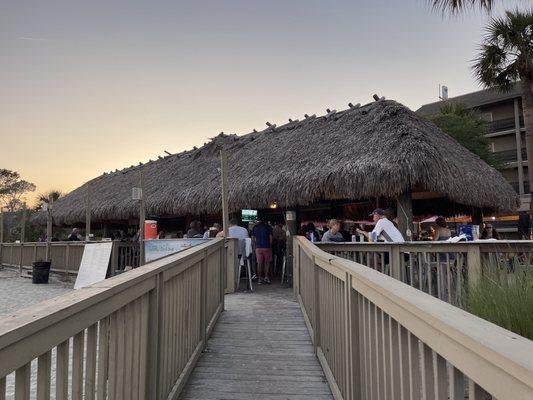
[[259, 349]]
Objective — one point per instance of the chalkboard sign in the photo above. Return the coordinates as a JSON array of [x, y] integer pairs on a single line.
[[94, 263]]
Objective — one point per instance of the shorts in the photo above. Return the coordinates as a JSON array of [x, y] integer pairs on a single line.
[[263, 255]]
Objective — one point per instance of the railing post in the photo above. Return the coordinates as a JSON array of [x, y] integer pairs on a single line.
[[395, 262], [67, 259], [316, 328], [155, 338], [21, 256], [114, 258], [203, 301], [223, 257], [296, 267], [352, 382], [473, 260]]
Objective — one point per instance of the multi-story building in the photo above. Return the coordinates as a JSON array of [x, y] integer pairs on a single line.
[[506, 133]]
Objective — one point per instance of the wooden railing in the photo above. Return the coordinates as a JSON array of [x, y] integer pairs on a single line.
[[441, 269], [378, 338], [134, 336], [65, 256]]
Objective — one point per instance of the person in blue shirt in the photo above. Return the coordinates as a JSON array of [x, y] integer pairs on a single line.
[[262, 237]]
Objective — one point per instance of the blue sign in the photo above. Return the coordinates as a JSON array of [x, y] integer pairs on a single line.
[[158, 248]]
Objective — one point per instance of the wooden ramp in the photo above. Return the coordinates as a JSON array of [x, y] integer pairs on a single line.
[[260, 349]]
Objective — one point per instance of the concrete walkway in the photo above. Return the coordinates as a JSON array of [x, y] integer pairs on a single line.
[[259, 349]]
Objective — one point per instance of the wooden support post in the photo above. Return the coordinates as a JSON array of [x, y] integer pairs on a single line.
[[473, 263], [155, 319], [203, 305], [142, 217], [395, 262], [21, 257], [88, 213], [224, 188], [49, 226], [316, 305], [67, 260], [1, 225], [292, 230], [295, 251], [350, 327], [405, 214], [23, 224], [1, 236]]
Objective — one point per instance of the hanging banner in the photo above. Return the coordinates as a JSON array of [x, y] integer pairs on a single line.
[[159, 248]]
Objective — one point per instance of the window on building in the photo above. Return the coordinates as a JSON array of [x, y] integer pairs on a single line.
[[487, 116]]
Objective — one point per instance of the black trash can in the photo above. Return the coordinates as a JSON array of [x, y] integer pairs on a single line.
[[40, 271]]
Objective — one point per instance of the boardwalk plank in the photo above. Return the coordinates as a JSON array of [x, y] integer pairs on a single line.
[[260, 349]]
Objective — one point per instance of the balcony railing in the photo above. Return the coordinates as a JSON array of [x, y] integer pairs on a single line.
[[503, 124], [509, 156]]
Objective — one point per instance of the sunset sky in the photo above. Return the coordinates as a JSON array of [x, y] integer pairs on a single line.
[[91, 86]]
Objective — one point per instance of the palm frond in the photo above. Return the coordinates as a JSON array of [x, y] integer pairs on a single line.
[[506, 54], [454, 6]]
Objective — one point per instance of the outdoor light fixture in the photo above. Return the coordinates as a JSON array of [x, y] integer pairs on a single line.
[[273, 205], [136, 193]]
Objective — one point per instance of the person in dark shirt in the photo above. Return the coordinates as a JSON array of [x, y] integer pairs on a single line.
[[262, 237], [74, 236]]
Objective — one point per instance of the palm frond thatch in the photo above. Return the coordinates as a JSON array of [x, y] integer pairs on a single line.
[[375, 150]]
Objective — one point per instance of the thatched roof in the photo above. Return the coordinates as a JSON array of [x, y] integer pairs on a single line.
[[370, 151]]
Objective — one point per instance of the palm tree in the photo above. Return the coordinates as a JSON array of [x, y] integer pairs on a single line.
[[43, 198], [454, 6], [506, 58]]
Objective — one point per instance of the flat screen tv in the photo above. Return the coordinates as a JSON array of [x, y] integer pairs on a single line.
[[249, 215]]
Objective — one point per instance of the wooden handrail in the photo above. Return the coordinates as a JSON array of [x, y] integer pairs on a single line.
[[442, 269], [492, 359], [134, 316]]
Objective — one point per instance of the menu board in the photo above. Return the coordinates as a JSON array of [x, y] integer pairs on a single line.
[[94, 263], [159, 248]]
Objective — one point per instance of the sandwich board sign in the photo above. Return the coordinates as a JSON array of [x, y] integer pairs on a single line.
[[94, 263]]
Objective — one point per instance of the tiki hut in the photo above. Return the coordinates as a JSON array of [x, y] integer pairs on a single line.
[[382, 149]]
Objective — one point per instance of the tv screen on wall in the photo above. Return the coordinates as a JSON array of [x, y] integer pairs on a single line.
[[249, 215]]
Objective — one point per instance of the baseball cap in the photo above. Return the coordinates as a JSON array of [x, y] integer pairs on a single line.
[[378, 211]]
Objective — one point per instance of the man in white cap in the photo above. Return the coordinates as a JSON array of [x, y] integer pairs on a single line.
[[384, 229]]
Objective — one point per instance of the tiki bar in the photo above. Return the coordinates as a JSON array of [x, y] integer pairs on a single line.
[[340, 165]]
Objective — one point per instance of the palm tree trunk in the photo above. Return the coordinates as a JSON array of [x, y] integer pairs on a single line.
[[527, 106]]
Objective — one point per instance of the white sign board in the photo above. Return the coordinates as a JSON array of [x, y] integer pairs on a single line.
[[157, 248], [94, 262]]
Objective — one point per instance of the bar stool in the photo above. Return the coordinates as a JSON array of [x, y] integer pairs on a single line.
[[245, 247], [245, 263], [283, 269]]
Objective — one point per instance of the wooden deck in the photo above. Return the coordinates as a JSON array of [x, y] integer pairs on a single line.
[[260, 349]]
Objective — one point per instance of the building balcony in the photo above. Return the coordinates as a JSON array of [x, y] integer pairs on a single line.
[[504, 124], [515, 186], [509, 156]]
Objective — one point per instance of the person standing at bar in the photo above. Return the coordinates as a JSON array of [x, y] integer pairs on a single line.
[[384, 229], [262, 237]]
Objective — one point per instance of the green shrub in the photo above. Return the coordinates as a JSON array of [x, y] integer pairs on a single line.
[[504, 298]]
